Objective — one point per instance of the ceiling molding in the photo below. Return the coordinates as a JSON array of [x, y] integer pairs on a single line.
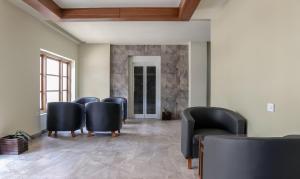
[[51, 10], [63, 32]]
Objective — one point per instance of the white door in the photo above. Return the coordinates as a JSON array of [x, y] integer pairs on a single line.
[[145, 87]]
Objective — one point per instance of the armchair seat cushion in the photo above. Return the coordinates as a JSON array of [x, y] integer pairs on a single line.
[[205, 132]]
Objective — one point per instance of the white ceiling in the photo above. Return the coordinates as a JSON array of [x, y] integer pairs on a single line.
[[116, 3], [139, 32], [198, 29]]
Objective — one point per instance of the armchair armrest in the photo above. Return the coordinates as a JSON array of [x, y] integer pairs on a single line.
[[187, 130], [236, 123]]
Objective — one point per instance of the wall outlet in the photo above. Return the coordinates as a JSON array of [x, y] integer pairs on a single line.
[[271, 107]]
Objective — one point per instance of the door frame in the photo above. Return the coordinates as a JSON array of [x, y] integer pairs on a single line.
[[145, 61]]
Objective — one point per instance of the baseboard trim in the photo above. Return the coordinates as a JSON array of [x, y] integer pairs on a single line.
[[39, 134]]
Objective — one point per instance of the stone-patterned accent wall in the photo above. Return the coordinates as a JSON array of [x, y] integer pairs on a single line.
[[174, 72]]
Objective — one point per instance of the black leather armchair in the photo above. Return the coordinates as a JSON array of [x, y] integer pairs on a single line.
[[231, 157], [83, 101], [64, 116], [103, 116], [202, 121], [122, 101]]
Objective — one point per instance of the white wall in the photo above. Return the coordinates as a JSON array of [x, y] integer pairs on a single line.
[[21, 38], [256, 60], [197, 74], [94, 70]]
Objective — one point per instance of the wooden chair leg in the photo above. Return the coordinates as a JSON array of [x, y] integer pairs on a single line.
[[113, 134], [81, 129], [189, 163], [55, 134], [49, 133], [90, 134], [73, 134]]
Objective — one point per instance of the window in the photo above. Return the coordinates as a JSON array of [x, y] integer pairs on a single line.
[[55, 80]]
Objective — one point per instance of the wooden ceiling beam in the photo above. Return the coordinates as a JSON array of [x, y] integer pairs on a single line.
[[48, 8], [149, 14], [52, 11], [91, 13], [187, 9], [122, 14]]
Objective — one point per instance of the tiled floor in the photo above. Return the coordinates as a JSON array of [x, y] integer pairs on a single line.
[[145, 150]]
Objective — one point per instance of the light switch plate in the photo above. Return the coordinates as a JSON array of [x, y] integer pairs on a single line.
[[271, 107]]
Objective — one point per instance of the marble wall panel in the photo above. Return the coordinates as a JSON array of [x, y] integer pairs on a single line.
[[174, 73]]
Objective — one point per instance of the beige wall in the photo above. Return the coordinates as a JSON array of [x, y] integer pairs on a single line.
[[256, 60], [94, 70], [197, 74], [21, 37]]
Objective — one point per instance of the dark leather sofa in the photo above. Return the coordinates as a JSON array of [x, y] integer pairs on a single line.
[[119, 100], [231, 157], [103, 116], [203, 121], [64, 116], [83, 101]]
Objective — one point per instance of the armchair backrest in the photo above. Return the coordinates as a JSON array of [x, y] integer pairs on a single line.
[[114, 100], [86, 100], [229, 157], [213, 117], [119, 100], [103, 116], [64, 116]]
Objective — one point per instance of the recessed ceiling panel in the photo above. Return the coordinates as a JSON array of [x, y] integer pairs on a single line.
[[116, 3]]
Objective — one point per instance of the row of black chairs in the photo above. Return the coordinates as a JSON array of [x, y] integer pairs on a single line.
[[103, 116]]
